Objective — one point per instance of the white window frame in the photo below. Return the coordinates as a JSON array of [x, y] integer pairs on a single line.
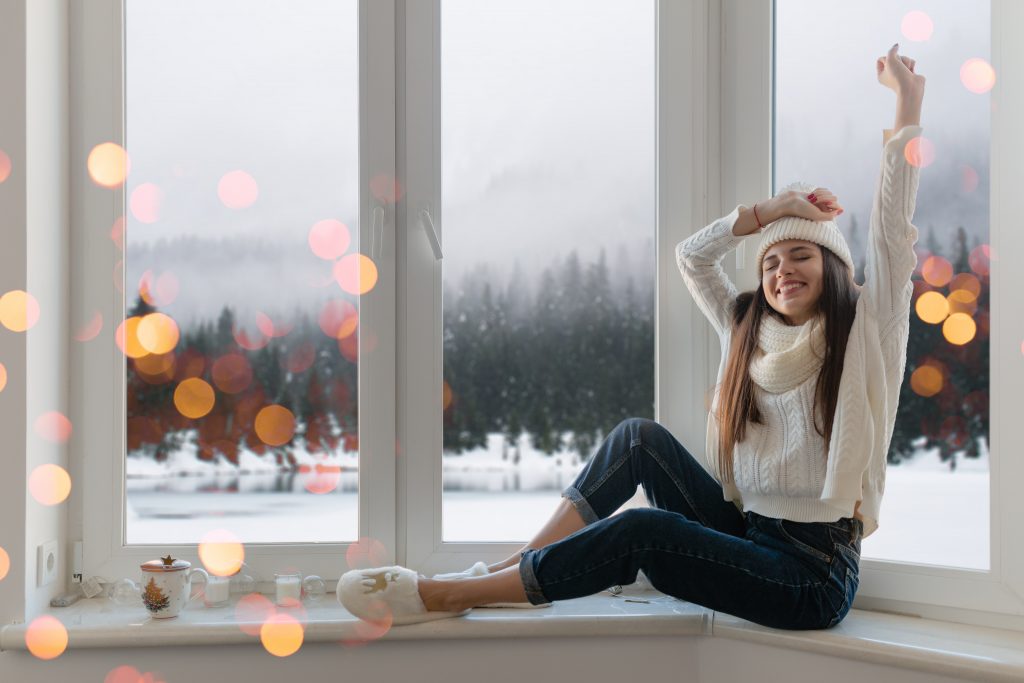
[[684, 197], [714, 139], [97, 383], [988, 598]]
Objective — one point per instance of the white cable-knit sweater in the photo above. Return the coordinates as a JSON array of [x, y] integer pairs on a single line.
[[780, 469]]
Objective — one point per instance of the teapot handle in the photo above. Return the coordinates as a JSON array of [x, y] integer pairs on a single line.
[[206, 580]]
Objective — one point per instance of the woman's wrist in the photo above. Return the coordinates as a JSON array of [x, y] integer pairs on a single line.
[[908, 108]]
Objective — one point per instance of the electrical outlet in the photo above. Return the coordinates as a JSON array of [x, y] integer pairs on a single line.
[[46, 563]]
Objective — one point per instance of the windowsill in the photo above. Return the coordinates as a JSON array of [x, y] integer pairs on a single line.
[[908, 642]]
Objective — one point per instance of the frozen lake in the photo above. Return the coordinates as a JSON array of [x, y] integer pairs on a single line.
[[929, 515]]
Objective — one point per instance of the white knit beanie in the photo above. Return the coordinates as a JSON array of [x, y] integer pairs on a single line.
[[825, 233]]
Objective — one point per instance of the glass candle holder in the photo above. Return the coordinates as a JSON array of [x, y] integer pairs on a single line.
[[218, 590], [288, 589]]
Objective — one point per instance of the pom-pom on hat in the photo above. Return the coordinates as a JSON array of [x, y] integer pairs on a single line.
[[824, 233]]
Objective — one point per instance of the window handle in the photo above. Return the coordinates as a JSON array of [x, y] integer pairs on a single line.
[[377, 243], [428, 227]]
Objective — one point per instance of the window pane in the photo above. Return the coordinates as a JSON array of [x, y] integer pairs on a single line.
[[830, 110], [240, 234], [548, 192]]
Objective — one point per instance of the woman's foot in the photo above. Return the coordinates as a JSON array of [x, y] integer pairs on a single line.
[[375, 594]]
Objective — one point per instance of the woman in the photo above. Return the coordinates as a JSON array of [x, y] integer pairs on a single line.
[[769, 527]]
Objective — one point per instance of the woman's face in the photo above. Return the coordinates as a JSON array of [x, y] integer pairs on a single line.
[[791, 274]]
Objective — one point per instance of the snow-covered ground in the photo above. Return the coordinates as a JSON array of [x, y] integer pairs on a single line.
[[929, 515]]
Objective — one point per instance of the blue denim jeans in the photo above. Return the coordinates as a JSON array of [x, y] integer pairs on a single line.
[[691, 543]]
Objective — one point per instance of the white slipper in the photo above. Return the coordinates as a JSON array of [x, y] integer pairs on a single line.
[[361, 592]]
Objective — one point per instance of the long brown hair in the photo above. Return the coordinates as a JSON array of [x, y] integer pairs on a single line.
[[736, 402]]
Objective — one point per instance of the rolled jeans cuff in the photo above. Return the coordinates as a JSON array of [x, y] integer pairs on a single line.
[[529, 577], [580, 503]]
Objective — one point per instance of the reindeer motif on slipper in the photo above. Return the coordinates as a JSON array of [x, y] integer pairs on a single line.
[[378, 581]]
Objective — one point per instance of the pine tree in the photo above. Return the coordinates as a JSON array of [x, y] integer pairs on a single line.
[[154, 598]]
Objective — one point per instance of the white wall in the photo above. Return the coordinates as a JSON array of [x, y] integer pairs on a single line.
[[592, 660], [13, 276]]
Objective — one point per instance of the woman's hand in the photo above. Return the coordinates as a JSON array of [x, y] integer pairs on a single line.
[[819, 205], [897, 73]]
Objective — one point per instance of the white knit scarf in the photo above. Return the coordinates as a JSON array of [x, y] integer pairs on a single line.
[[787, 355]]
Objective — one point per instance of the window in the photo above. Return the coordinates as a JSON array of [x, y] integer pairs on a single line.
[[251, 392], [936, 504], [242, 272], [548, 202]]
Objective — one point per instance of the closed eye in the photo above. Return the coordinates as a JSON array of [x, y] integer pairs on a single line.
[[772, 267]]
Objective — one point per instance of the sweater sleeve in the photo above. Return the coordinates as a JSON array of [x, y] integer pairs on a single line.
[[890, 254], [699, 258]]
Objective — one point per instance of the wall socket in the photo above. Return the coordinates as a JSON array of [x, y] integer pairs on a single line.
[[46, 563]]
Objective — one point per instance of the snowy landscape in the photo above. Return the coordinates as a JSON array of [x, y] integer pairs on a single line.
[[929, 515]]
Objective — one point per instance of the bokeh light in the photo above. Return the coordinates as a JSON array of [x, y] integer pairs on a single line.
[[145, 203], [53, 426], [329, 239], [323, 478], [5, 166], [49, 484], [3, 377], [932, 308], [221, 552], [127, 338], [248, 338], [917, 26], [123, 674], [117, 233], [385, 188], [977, 75], [937, 271], [251, 611], [232, 373], [156, 368], [46, 637], [980, 260], [920, 151], [365, 553], [159, 291], [19, 310], [926, 381], [349, 348], [91, 329], [446, 396], [962, 301], [338, 319], [237, 190], [969, 179], [5, 563], [269, 329], [281, 635], [374, 625], [275, 425], [355, 273], [158, 333], [959, 329], [108, 165], [967, 285], [300, 358], [194, 398]]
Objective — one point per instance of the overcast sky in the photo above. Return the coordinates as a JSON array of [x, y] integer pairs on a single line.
[[548, 127]]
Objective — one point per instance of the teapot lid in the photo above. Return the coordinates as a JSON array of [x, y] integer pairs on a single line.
[[165, 564]]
